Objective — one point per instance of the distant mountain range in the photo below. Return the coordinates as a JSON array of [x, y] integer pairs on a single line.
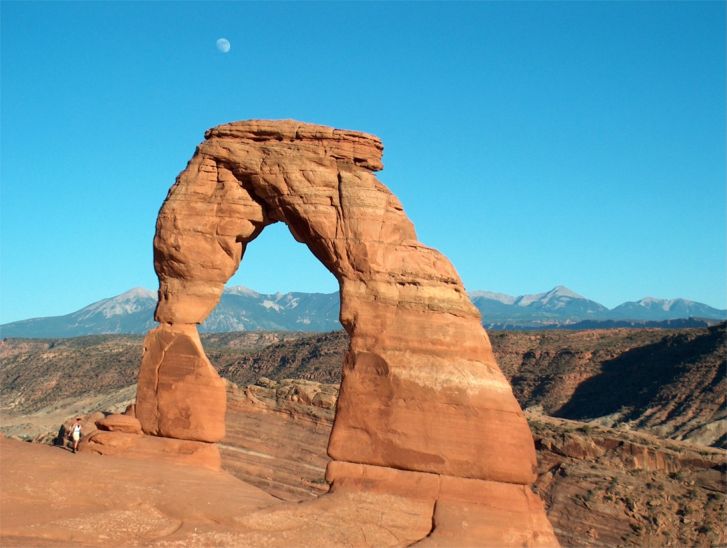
[[242, 309], [561, 307], [239, 309]]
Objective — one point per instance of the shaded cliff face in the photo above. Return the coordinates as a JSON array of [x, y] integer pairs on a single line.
[[672, 384], [680, 381]]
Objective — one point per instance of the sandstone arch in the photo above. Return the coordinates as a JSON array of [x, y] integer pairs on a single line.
[[423, 407]]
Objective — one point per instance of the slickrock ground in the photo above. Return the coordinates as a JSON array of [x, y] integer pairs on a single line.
[[602, 486], [51, 497]]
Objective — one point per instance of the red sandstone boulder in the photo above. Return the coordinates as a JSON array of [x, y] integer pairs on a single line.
[[205, 455], [179, 393], [119, 423]]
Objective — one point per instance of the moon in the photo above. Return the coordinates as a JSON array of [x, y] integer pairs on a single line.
[[223, 44]]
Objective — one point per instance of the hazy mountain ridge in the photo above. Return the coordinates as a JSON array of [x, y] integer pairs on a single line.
[[650, 308], [242, 309], [559, 305], [239, 309]]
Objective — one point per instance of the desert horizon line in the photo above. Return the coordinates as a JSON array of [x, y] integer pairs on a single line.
[[559, 290], [471, 293]]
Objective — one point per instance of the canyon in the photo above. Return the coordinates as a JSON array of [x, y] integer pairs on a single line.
[[604, 482]]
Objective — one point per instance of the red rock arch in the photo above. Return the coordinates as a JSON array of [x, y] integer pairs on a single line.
[[421, 390]]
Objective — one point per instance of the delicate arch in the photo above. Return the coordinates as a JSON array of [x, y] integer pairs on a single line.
[[421, 390]]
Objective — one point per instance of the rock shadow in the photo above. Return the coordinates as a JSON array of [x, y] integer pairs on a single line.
[[61, 439], [635, 379]]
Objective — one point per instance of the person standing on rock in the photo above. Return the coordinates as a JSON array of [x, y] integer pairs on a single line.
[[76, 433]]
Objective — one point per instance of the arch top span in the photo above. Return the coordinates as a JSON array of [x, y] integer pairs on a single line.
[[361, 149], [421, 390]]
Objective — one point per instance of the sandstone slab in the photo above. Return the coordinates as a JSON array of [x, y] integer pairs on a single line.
[[119, 423], [153, 448], [465, 512], [51, 497]]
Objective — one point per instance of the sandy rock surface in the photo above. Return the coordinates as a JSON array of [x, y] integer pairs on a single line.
[[51, 497], [50, 494]]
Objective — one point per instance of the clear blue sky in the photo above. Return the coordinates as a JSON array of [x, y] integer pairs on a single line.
[[534, 144]]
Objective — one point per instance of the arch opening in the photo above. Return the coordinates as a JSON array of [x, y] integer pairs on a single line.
[[278, 287]]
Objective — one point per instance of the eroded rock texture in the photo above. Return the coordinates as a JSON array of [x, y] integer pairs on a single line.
[[422, 401]]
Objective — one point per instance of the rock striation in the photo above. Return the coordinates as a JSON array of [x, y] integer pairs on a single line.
[[424, 411]]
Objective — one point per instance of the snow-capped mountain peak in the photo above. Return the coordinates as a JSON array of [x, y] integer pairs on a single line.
[[241, 308], [664, 304], [563, 291], [558, 304], [527, 300], [665, 309], [558, 297], [242, 290], [499, 297], [128, 302], [137, 293]]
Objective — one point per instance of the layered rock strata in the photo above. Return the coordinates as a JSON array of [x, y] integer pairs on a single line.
[[601, 486], [421, 391]]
